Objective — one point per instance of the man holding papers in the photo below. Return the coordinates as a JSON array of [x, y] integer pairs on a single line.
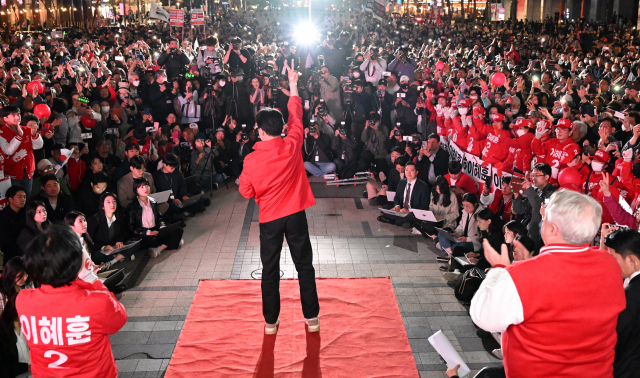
[[412, 193]]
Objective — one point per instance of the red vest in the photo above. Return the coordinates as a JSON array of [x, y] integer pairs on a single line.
[[22, 160]]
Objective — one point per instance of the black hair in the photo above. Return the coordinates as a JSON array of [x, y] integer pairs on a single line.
[[54, 257], [99, 177], [270, 121], [445, 191], [30, 117], [171, 160], [58, 105], [528, 243], [13, 272], [137, 183], [211, 41], [132, 146], [496, 223], [410, 163], [506, 180], [70, 220], [137, 162], [400, 160], [470, 197], [13, 190], [516, 227], [624, 242], [46, 178], [544, 168], [455, 167], [434, 136], [8, 110]]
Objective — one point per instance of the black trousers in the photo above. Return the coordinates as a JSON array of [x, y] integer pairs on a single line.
[[172, 241], [272, 234]]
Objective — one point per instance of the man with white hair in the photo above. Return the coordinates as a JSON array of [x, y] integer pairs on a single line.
[[557, 311]]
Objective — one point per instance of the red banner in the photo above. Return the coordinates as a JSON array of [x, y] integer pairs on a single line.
[[176, 17], [197, 17]]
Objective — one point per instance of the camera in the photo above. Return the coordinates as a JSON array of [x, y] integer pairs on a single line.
[[236, 45], [173, 50], [343, 131], [112, 131], [401, 95], [312, 129], [374, 56], [244, 136], [397, 133]]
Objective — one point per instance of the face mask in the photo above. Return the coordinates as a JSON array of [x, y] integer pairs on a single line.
[[463, 111], [404, 86], [473, 97], [515, 111], [590, 61], [136, 83], [624, 71], [222, 83], [356, 74], [105, 109], [521, 132], [597, 166], [240, 78]]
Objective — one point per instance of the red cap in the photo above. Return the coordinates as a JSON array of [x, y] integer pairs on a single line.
[[465, 103], [426, 70], [497, 117], [602, 156], [521, 123], [478, 111], [442, 95], [565, 124], [454, 104], [569, 152], [547, 124]]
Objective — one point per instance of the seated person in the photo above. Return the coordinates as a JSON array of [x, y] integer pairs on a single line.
[[412, 193], [108, 231], [459, 181], [490, 228], [35, 223], [378, 195], [125, 184], [45, 167], [444, 205], [130, 150], [344, 149], [500, 200], [145, 221], [512, 230], [169, 178], [12, 219], [202, 164], [57, 203], [317, 152], [88, 196], [467, 231], [14, 358], [432, 160], [95, 166]]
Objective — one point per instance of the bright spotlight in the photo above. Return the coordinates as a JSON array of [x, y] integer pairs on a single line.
[[306, 33]]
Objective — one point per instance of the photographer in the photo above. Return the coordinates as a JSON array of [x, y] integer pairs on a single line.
[[361, 105], [373, 137], [330, 93], [210, 58], [406, 99], [241, 147], [403, 65], [202, 167], [395, 140], [373, 67], [237, 57], [238, 103], [317, 153], [325, 121], [213, 103], [160, 96], [383, 103], [173, 60], [282, 96], [344, 148]]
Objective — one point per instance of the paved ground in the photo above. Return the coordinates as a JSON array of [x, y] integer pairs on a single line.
[[348, 241]]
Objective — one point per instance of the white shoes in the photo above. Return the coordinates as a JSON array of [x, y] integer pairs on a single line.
[[271, 329], [415, 231], [133, 257], [313, 324], [452, 276]]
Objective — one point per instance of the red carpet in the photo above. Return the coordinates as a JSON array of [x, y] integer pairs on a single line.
[[361, 333]]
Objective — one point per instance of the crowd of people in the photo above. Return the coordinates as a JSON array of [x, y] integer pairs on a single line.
[[95, 123]]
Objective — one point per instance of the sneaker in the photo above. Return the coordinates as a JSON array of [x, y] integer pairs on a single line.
[[238, 181], [181, 242], [313, 324], [133, 257], [154, 252], [384, 219], [271, 329], [108, 264], [442, 259], [452, 276], [407, 225], [497, 353], [415, 231]]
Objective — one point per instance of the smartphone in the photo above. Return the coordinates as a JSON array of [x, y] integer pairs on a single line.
[[407, 139], [119, 58], [619, 115], [156, 125], [386, 74]]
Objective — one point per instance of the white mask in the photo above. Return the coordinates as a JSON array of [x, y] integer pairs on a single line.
[[521, 132], [463, 111], [136, 83], [473, 97], [105, 109], [597, 166], [515, 111], [356, 74], [222, 83]]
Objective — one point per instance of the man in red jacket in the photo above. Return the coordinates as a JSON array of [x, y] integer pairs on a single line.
[[557, 311], [274, 174]]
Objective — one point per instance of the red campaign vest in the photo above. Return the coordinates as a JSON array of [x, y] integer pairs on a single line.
[[22, 160], [145, 150]]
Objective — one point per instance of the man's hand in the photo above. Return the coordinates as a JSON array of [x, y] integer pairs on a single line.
[[293, 78], [177, 202], [404, 211], [119, 245], [494, 257], [152, 233]]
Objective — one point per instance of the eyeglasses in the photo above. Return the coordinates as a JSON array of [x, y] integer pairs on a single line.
[[541, 175]]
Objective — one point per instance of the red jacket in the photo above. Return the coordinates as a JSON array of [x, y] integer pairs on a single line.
[[18, 151], [463, 182], [274, 172], [67, 329], [477, 136], [460, 133], [497, 147], [76, 169], [552, 150]]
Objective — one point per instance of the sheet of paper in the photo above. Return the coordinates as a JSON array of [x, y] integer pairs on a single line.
[[123, 248], [443, 346], [391, 196]]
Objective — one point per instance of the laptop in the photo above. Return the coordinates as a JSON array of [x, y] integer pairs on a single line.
[[424, 215], [190, 201], [394, 213], [170, 229], [447, 235], [161, 197]]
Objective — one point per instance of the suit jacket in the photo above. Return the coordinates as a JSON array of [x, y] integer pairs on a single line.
[[64, 205], [420, 194], [627, 361], [98, 230], [440, 165]]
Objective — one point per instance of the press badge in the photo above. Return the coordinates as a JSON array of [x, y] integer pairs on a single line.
[[317, 158], [342, 156]]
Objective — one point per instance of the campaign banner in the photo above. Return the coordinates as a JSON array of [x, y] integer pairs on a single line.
[[158, 13], [377, 8], [472, 165], [197, 17], [176, 17], [5, 183]]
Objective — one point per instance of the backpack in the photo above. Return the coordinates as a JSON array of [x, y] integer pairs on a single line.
[[468, 284], [348, 170], [191, 110]]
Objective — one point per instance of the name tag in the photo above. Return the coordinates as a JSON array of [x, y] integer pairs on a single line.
[[169, 101], [317, 158], [342, 156]]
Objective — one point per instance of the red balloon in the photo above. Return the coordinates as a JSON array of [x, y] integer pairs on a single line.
[[37, 84], [88, 122], [498, 79], [440, 65], [568, 176], [42, 111]]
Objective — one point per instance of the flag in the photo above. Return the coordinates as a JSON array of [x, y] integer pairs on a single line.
[[158, 12], [64, 158], [196, 45]]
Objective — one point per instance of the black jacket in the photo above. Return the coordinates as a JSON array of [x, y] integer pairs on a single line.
[[161, 102], [88, 201], [238, 103], [134, 224], [420, 195], [11, 224], [64, 204], [384, 106], [170, 181], [344, 147], [627, 361], [393, 179], [98, 230], [173, 63], [27, 234], [322, 144], [440, 165]]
